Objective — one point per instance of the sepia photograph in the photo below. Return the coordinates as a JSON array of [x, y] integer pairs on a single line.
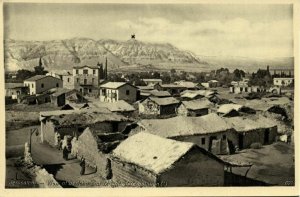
[[148, 95]]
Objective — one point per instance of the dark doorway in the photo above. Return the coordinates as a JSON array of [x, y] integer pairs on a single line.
[[266, 136], [211, 138], [241, 141], [114, 126]]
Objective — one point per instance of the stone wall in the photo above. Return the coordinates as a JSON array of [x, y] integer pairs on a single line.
[[41, 176]]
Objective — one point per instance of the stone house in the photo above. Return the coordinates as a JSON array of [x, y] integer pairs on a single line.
[[94, 145], [197, 107], [14, 90], [41, 83], [74, 122], [61, 96], [160, 162], [202, 131], [115, 91], [256, 130], [158, 106]]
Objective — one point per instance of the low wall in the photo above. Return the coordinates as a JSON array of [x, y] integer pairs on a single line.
[[41, 176]]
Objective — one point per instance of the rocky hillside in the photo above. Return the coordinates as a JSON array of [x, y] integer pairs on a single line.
[[64, 54]]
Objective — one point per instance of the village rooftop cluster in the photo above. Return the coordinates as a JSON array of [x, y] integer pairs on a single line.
[[174, 134]]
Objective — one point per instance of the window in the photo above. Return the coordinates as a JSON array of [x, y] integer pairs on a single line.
[[77, 71], [42, 85], [68, 79], [57, 85], [77, 80], [93, 80], [85, 71], [90, 90], [85, 81], [203, 140], [94, 72], [127, 92], [32, 85]]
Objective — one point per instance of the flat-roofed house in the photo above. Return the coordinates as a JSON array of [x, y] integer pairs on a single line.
[[257, 130], [115, 91], [158, 106], [42, 83], [196, 107], [202, 130], [163, 162]]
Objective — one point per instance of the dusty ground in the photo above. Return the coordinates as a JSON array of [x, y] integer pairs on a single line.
[[20, 115], [272, 164]]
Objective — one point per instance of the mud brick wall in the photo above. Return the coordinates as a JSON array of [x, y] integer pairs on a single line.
[[130, 175], [87, 147]]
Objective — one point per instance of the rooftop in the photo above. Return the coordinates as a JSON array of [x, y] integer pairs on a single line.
[[185, 126], [160, 93], [187, 84], [114, 85], [89, 66], [197, 104], [118, 106], [81, 117], [60, 91], [154, 153], [155, 80], [194, 93], [226, 108], [165, 100], [244, 124], [36, 77]]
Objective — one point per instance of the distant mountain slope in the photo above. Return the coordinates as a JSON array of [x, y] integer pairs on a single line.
[[133, 51], [64, 54]]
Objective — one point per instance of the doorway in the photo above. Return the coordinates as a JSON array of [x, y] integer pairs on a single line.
[[211, 138], [241, 141], [266, 136]]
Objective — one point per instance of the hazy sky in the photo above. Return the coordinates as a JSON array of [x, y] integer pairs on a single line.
[[231, 30]]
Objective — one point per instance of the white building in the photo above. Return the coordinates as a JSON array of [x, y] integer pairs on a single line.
[[283, 81], [41, 83]]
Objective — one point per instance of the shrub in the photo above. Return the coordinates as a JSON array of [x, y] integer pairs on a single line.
[[256, 145]]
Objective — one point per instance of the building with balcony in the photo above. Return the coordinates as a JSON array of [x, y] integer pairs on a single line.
[[115, 91], [86, 79]]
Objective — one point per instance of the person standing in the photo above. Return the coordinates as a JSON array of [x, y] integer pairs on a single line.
[[65, 153], [82, 164]]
